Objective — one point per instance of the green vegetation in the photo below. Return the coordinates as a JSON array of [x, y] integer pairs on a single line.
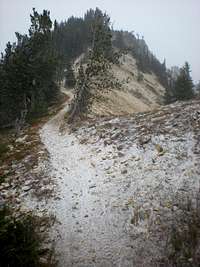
[[3, 148], [70, 80], [183, 89], [19, 241], [181, 84], [22, 243], [100, 56], [184, 238], [146, 61], [32, 68], [27, 73]]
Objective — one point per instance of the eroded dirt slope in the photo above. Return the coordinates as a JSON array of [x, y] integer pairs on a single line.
[[123, 89]]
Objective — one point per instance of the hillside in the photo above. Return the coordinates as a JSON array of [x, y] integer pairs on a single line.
[[124, 89], [114, 185], [132, 95], [94, 169]]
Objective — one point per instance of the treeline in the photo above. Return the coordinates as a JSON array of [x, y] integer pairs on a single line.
[[76, 35], [181, 86], [28, 72], [177, 82], [146, 61], [32, 68]]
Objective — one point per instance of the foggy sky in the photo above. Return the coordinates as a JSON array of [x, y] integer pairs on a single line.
[[170, 27]]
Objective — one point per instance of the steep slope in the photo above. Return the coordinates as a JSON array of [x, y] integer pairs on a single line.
[[123, 89], [137, 91]]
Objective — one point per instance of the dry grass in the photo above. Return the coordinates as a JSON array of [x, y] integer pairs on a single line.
[[183, 240]]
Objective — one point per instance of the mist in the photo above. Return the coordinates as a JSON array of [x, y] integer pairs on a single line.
[[170, 28]]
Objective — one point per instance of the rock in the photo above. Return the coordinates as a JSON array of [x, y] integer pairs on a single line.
[[115, 135], [28, 182], [43, 261], [10, 147], [120, 147], [26, 188], [107, 142], [120, 154], [124, 171], [144, 140], [21, 139], [83, 141], [92, 186], [5, 186], [137, 158]]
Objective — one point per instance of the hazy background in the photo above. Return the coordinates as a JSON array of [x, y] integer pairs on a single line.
[[170, 27]]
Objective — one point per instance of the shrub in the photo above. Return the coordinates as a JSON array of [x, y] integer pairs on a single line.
[[3, 148], [19, 241], [183, 244]]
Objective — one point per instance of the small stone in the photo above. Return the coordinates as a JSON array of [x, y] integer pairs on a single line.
[[5, 186], [124, 171], [137, 158], [120, 147], [115, 135], [43, 261], [92, 186], [26, 188], [120, 154], [21, 139]]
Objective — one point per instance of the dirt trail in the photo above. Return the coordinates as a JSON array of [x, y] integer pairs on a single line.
[[110, 191], [88, 231]]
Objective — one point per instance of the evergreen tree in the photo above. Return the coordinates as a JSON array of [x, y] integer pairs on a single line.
[[184, 86], [70, 80], [198, 89], [82, 96], [101, 36], [27, 71]]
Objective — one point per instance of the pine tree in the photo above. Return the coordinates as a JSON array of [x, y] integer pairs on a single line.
[[101, 36], [82, 96], [28, 71], [198, 89], [184, 85], [70, 80]]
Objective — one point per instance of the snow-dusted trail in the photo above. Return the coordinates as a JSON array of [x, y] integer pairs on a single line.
[[89, 234], [112, 192]]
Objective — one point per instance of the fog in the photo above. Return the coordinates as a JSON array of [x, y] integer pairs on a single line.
[[170, 27]]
